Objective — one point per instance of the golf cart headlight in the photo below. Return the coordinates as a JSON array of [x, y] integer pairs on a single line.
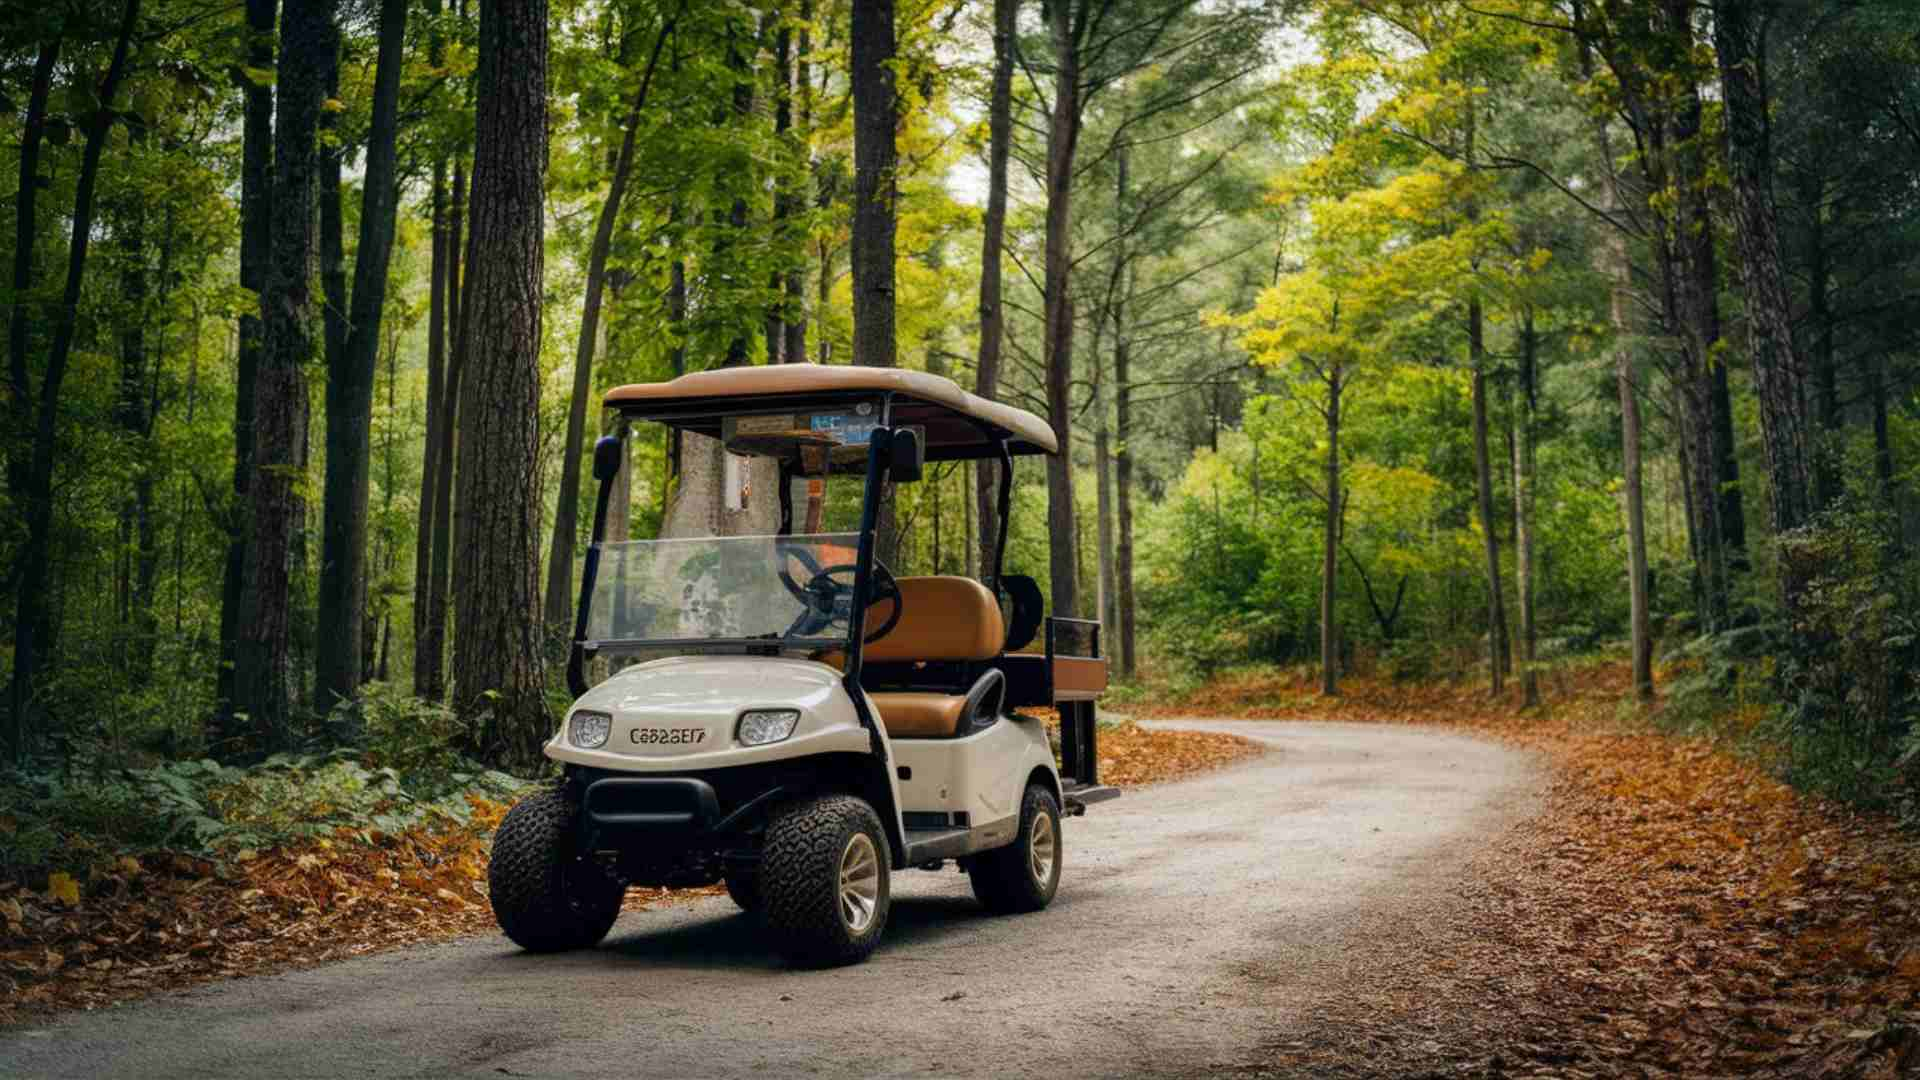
[[588, 730], [758, 727]]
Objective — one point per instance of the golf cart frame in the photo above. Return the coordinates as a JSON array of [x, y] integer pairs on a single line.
[[919, 418]]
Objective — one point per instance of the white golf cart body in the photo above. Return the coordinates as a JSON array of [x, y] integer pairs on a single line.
[[748, 680], [963, 792]]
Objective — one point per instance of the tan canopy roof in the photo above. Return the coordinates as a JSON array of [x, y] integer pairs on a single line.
[[922, 399]]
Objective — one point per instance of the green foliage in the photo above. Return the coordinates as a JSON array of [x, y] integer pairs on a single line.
[[1850, 671], [65, 820]]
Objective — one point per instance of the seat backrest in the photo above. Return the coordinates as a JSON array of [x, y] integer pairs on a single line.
[[942, 618]]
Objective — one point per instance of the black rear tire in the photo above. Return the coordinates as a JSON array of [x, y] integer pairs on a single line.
[[811, 845], [1024, 875], [544, 897], [744, 887]]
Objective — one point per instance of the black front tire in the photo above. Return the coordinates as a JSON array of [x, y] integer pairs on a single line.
[[810, 847], [1024, 875], [544, 897]]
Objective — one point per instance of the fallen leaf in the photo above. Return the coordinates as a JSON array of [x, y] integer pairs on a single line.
[[63, 888]]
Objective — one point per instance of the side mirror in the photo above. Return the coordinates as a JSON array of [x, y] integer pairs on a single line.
[[606, 457], [908, 457]]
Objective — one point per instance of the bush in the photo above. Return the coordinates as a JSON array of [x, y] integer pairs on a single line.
[[418, 739], [1847, 670], [53, 821]]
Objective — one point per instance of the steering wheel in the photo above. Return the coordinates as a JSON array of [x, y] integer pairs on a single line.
[[829, 601]]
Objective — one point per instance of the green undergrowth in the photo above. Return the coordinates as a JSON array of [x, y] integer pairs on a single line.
[[402, 772]]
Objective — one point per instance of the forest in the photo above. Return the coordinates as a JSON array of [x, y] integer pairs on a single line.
[[1421, 338]]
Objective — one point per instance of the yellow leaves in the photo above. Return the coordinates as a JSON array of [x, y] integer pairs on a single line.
[[61, 887]]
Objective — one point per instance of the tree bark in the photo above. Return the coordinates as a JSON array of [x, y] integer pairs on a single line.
[[430, 649], [1483, 483], [1330, 543], [33, 615], [135, 417], [1634, 497], [1523, 471], [1063, 136], [256, 248], [559, 595], [343, 541], [436, 396], [24, 235], [1739, 39], [1718, 507], [986, 379], [497, 663], [875, 190], [1827, 449], [1123, 499], [1103, 535], [264, 679]]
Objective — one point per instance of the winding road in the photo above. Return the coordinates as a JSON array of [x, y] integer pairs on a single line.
[[1195, 921]]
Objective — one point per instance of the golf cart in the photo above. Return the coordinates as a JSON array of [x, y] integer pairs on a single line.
[[785, 715]]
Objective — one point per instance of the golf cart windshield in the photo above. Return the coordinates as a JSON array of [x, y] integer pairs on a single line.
[[789, 592]]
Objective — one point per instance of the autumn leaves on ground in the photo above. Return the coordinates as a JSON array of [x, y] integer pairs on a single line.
[[1671, 909], [136, 923]]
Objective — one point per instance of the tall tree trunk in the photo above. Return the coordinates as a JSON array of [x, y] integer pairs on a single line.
[[559, 595], [794, 349], [1523, 468], [32, 620], [497, 662], [1063, 136], [1718, 508], [727, 261], [1109, 597], [343, 545], [1122, 451], [1483, 484], [431, 463], [430, 649], [986, 379], [1123, 507], [1827, 448], [135, 418], [1739, 36], [875, 189], [256, 250], [783, 318], [1876, 379], [1636, 506], [264, 679], [24, 234], [308, 641], [436, 395], [1330, 541]]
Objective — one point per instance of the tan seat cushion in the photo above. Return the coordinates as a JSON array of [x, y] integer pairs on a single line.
[[943, 618], [920, 716]]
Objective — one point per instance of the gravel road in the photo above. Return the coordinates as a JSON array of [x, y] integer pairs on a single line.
[[1195, 921]]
